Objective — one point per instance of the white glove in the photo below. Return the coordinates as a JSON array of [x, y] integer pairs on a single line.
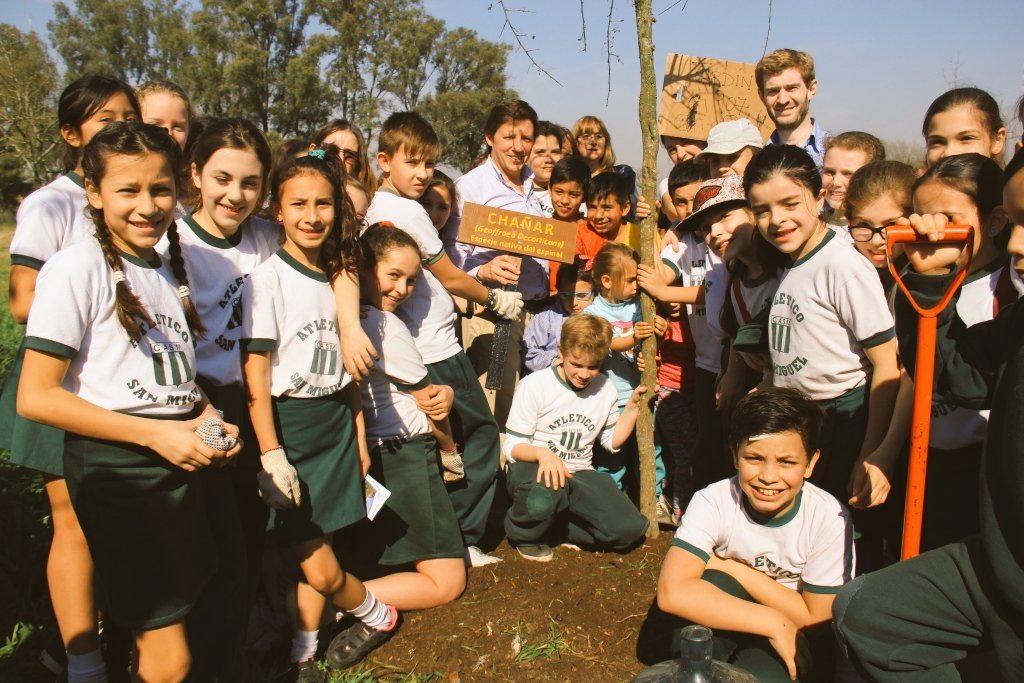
[[279, 482], [507, 304], [211, 431]]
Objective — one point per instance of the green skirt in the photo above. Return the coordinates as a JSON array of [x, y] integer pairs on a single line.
[[147, 529], [32, 444], [418, 521], [319, 437]]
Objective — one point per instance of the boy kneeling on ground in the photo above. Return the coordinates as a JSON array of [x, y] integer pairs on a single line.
[[557, 414], [760, 556]]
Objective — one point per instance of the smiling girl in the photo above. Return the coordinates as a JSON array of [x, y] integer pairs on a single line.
[[961, 121], [50, 219], [830, 331], [111, 361], [417, 526], [304, 407]]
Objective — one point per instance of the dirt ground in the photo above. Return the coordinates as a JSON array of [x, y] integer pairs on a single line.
[[575, 618]]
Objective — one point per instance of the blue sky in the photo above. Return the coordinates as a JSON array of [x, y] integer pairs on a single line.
[[879, 64]]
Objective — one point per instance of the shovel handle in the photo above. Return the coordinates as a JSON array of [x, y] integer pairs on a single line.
[[953, 234]]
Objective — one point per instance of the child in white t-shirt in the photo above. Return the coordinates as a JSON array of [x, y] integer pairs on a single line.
[[557, 416], [760, 556]]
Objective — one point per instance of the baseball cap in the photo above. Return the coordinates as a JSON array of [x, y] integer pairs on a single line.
[[730, 137], [715, 193]]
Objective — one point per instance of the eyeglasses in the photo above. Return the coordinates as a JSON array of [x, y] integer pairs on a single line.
[[349, 153], [864, 233], [582, 296], [593, 137]]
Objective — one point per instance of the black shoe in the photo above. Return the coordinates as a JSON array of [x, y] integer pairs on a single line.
[[355, 642], [306, 671]]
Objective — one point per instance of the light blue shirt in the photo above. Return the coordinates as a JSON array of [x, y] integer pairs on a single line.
[[486, 185], [814, 145], [620, 366], [540, 342]]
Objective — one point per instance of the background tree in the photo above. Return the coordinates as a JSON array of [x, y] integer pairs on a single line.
[[28, 121], [469, 80], [136, 40]]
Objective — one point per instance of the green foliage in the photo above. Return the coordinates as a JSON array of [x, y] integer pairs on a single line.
[[28, 135], [261, 59], [136, 40], [551, 646]]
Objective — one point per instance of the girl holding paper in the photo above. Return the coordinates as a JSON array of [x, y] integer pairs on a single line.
[[417, 525]]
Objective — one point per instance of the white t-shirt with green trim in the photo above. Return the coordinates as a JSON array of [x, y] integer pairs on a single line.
[[756, 296], [547, 412], [810, 548], [217, 268], [954, 427], [829, 307], [288, 309], [53, 217], [694, 265], [388, 408], [73, 316], [428, 312]]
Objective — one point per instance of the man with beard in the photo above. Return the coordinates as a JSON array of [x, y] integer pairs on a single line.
[[785, 80]]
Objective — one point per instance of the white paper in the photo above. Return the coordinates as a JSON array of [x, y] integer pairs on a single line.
[[376, 496]]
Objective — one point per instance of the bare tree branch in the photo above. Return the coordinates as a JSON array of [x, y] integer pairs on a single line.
[[583, 29], [769, 32], [609, 41], [519, 38], [685, 3]]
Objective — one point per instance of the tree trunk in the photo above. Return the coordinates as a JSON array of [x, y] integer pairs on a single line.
[[648, 253]]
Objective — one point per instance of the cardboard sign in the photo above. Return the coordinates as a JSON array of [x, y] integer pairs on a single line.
[[700, 92], [517, 233]]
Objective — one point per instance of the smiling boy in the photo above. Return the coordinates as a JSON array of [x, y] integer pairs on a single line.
[[760, 556], [557, 416]]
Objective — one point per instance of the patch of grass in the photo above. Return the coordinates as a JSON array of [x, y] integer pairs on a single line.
[[552, 645], [382, 674]]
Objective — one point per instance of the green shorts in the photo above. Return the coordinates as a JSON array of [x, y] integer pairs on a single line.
[[147, 529], [319, 437]]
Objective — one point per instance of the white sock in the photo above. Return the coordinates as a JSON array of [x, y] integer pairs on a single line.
[[303, 646], [87, 668], [373, 613]]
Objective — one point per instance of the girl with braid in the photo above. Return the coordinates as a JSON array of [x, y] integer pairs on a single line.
[[221, 243], [110, 360], [50, 219]]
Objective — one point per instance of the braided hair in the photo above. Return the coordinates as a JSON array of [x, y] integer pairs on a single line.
[[341, 249], [135, 139]]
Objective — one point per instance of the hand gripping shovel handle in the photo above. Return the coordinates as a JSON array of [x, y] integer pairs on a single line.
[[924, 373]]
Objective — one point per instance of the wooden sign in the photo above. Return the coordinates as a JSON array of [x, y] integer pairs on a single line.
[[700, 92], [517, 233]]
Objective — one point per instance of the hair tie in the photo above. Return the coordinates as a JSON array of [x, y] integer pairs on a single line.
[[119, 277], [317, 154], [184, 291]]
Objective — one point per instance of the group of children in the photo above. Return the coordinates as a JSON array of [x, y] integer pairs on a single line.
[[229, 347]]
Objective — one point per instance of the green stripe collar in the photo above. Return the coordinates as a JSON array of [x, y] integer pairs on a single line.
[[829, 234], [213, 240], [564, 382], [304, 270], [142, 263], [75, 178], [773, 521]]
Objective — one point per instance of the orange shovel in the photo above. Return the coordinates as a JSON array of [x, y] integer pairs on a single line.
[[924, 374]]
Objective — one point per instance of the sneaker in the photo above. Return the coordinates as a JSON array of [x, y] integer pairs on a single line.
[[478, 558], [357, 641], [306, 671], [570, 546], [535, 553], [664, 513]]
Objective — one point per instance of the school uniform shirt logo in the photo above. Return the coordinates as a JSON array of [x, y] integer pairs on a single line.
[[236, 313], [170, 364], [571, 430], [781, 333], [325, 358]]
